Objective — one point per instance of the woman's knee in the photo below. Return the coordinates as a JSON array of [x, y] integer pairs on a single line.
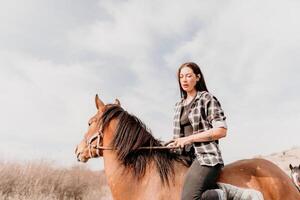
[[210, 195]]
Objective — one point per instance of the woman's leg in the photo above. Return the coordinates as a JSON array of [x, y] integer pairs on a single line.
[[199, 179]]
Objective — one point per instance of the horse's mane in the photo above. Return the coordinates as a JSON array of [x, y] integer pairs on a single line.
[[131, 133]]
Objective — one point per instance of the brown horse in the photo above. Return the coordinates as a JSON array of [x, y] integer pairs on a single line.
[[134, 173]]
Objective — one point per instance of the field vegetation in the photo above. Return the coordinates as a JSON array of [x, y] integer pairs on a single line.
[[43, 181]]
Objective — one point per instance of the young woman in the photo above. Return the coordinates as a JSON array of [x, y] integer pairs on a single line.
[[199, 123]]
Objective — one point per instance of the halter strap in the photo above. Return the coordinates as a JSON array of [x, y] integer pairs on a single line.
[[97, 136]]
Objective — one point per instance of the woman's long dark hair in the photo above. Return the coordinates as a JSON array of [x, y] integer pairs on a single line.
[[200, 85]]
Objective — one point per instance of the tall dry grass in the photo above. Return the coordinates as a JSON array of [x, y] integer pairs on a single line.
[[42, 180]]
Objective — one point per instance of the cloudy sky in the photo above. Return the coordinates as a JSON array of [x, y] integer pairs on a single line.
[[55, 55]]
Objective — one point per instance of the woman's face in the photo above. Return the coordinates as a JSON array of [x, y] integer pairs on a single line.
[[188, 79]]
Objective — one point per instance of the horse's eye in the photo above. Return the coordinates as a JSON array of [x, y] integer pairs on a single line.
[[89, 124]]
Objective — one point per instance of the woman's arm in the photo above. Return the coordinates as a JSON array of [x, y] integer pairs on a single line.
[[205, 136]]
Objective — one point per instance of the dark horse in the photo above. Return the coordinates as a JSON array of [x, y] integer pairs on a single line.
[[134, 173], [295, 175]]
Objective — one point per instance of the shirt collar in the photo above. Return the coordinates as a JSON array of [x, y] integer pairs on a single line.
[[199, 93]]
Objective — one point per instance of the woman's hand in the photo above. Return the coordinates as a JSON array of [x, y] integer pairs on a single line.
[[205, 136], [180, 142]]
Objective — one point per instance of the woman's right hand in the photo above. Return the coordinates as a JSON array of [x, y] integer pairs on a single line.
[[173, 148], [169, 143], [180, 142]]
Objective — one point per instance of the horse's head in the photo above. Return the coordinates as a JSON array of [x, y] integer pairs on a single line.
[[93, 138], [295, 174]]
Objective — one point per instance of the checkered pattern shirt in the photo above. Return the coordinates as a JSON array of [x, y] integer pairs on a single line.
[[205, 113]]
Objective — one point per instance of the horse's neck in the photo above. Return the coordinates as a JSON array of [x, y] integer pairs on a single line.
[[124, 185]]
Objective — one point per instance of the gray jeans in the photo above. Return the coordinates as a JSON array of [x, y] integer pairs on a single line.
[[200, 182]]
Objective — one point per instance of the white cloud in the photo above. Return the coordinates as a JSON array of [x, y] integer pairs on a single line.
[[56, 55]]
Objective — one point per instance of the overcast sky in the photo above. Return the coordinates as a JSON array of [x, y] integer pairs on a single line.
[[55, 55]]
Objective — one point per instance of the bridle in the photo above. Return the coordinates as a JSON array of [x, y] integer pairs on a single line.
[[99, 136]]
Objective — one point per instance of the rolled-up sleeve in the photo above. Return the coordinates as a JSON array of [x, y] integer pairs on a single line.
[[215, 113]]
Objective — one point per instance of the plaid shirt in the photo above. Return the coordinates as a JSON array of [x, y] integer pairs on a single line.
[[205, 113]]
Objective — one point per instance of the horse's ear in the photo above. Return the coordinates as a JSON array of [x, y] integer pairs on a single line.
[[99, 103], [291, 167], [117, 101]]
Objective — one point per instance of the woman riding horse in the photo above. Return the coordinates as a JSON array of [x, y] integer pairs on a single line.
[[199, 123], [135, 173]]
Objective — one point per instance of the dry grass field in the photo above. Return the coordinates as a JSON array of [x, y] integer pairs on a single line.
[[43, 181]]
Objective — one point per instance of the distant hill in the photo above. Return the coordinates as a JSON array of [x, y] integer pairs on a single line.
[[285, 158]]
